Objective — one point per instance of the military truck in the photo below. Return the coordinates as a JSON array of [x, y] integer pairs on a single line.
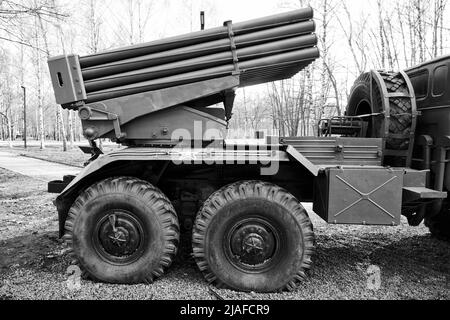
[[168, 102]]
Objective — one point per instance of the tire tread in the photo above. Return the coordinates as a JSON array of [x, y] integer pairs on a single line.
[[145, 190], [242, 190]]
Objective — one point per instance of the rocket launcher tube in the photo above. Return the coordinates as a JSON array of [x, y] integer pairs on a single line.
[[285, 61], [197, 37], [189, 52], [199, 63]]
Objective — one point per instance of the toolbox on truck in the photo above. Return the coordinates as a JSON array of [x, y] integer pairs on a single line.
[[359, 195]]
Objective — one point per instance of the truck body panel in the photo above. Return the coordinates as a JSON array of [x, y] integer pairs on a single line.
[[431, 81]]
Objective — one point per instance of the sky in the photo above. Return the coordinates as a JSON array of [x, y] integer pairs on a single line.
[[170, 18], [174, 17]]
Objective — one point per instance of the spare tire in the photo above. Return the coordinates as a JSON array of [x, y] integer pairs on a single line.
[[401, 120]]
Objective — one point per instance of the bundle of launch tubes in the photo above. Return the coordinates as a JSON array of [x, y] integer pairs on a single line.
[[258, 51]]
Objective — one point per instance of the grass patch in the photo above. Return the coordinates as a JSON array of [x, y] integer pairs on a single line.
[[54, 153]]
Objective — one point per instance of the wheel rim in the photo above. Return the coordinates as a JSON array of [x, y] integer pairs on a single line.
[[252, 245], [119, 237], [364, 107]]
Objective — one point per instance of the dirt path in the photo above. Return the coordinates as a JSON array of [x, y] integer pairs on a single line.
[[35, 168]]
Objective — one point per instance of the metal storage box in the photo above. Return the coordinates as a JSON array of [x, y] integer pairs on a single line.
[[356, 195]]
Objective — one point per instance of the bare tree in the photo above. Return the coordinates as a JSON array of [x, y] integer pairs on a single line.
[[443, 4], [327, 76], [138, 14], [356, 46], [412, 35], [13, 13], [6, 96], [38, 69], [143, 11], [59, 115], [94, 28], [420, 30], [438, 21], [400, 11], [289, 106], [381, 35], [12, 9]]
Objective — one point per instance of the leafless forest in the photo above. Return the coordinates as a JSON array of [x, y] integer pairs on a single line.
[[381, 34]]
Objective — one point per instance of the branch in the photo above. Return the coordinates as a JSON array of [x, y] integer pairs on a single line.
[[22, 43], [17, 9]]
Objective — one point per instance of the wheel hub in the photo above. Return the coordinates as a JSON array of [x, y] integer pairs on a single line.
[[120, 237], [119, 234], [252, 243]]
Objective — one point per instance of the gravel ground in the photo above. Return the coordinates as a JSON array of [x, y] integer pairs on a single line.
[[34, 262]]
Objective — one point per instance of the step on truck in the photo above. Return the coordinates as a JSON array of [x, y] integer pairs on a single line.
[[168, 102]]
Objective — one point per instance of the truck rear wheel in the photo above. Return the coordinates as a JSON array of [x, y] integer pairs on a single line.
[[439, 225], [122, 230], [253, 236]]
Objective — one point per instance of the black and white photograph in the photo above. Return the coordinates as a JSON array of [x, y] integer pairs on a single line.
[[224, 155]]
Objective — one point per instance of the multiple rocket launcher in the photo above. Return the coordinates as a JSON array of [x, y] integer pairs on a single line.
[[259, 51]]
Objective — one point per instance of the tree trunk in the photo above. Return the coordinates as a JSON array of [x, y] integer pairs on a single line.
[[10, 133], [309, 97], [402, 29], [420, 30], [40, 109], [381, 34], [324, 71], [41, 126], [70, 123], [63, 129], [412, 35], [2, 129], [47, 51], [443, 4], [435, 27], [58, 131]]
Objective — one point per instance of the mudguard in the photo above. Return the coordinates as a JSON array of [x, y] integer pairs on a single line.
[[195, 156], [266, 155]]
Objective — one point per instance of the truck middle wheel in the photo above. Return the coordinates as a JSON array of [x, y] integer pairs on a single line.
[[253, 236], [122, 230]]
